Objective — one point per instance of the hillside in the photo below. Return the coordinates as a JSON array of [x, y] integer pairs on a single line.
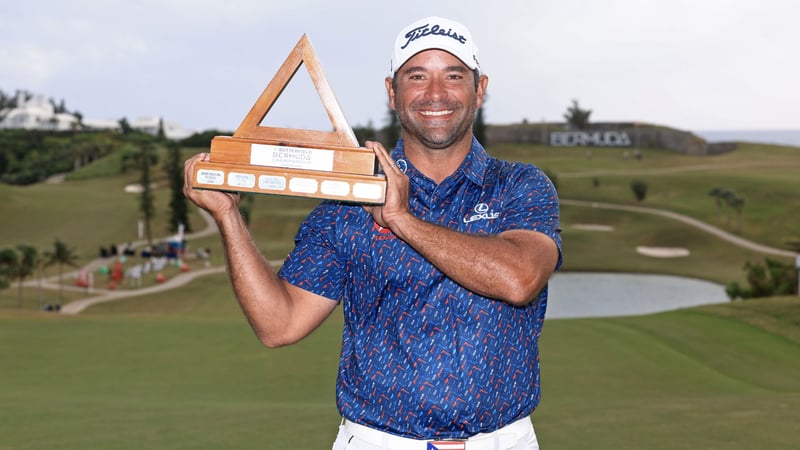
[[93, 209], [181, 368]]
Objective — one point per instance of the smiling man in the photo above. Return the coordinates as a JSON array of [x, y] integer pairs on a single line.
[[443, 287]]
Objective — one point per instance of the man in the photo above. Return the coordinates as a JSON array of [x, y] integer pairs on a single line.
[[443, 286]]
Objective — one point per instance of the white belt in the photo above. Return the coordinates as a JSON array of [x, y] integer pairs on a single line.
[[499, 439]]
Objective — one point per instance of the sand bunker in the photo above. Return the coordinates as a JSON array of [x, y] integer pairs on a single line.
[[137, 188], [593, 227], [663, 252]]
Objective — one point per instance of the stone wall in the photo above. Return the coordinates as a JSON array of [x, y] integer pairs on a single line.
[[637, 135]]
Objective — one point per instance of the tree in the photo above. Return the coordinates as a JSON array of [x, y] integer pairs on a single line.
[[365, 133], [26, 266], [771, 279], [61, 255], [639, 189], [125, 126], [728, 196], [577, 117], [162, 136], [8, 264], [146, 197], [391, 132], [79, 116], [479, 127], [246, 206], [41, 264], [719, 196], [173, 166], [725, 196], [737, 203]]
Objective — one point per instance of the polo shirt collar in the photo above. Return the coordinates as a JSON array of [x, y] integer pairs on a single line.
[[473, 167]]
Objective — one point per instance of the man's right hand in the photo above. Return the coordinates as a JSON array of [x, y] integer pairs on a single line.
[[215, 202]]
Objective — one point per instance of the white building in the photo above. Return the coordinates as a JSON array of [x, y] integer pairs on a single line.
[[36, 113], [150, 125], [101, 125]]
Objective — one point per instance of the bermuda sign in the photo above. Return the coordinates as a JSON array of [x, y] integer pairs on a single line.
[[589, 139]]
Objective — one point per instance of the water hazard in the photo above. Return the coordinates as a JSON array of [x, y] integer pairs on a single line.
[[574, 295]]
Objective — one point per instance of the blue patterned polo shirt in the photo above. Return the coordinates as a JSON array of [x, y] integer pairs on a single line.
[[421, 356]]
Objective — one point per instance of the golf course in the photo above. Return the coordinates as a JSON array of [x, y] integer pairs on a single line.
[[180, 368]]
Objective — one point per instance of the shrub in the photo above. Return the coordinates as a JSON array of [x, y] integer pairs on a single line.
[[774, 278], [639, 189]]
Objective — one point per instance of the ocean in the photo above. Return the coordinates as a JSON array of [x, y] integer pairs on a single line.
[[780, 137]]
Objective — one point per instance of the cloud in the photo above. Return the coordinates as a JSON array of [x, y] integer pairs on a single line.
[[698, 65]]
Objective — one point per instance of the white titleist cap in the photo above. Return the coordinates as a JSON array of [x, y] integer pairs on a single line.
[[438, 33]]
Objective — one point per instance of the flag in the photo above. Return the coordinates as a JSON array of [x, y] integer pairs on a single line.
[[447, 445]]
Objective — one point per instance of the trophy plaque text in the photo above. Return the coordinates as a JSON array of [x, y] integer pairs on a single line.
[[293, 162]]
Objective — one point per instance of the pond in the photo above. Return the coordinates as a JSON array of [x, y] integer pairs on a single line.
[[574, 295]]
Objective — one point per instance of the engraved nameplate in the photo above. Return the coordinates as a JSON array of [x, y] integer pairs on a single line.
[[291, 157]]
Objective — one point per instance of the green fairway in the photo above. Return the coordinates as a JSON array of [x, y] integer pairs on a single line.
[[190, 374], [686, 379], [115, 383]]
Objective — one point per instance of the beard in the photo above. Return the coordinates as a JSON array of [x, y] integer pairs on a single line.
[[437, 133]]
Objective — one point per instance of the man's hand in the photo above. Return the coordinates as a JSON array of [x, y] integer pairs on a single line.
[[215, 202], [395, 208]]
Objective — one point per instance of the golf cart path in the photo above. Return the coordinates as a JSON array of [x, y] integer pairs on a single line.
[[722, 234], [76, 306], [106, 295], [182, 279]]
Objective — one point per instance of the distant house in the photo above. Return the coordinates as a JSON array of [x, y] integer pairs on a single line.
[[151, 125], [36, 113], [101, 125]]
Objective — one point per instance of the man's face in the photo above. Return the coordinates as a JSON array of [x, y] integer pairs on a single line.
[[435, 98]]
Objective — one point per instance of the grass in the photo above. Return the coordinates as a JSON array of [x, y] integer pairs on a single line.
[[175, 372], [590, 250], [181, 369], [765, 176], [120, 382], [93, 210], [698, 378]]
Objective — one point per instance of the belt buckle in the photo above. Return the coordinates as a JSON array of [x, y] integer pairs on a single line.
[[447, 444]]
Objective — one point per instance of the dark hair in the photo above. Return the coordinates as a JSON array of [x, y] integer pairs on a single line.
[[476, 76]]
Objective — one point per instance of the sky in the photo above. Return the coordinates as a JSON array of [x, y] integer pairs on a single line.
[[689, 64]]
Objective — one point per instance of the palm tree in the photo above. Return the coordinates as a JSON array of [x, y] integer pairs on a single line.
[[730, 198], [61, 255], [718, 194], [41, 264], [173, 166], [146, 198], [26, 266], [737, 203], [8, 265]]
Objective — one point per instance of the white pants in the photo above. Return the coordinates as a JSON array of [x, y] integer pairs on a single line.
[[516, 436]]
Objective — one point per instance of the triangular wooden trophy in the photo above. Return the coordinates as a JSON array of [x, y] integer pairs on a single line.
[[293, 162]]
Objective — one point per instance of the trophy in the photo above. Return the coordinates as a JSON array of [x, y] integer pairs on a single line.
[[293, 162]]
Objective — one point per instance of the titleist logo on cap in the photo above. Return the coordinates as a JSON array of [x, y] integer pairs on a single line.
[[427, 30]]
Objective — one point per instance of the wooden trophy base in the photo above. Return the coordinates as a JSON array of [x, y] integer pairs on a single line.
[[334, 173]]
